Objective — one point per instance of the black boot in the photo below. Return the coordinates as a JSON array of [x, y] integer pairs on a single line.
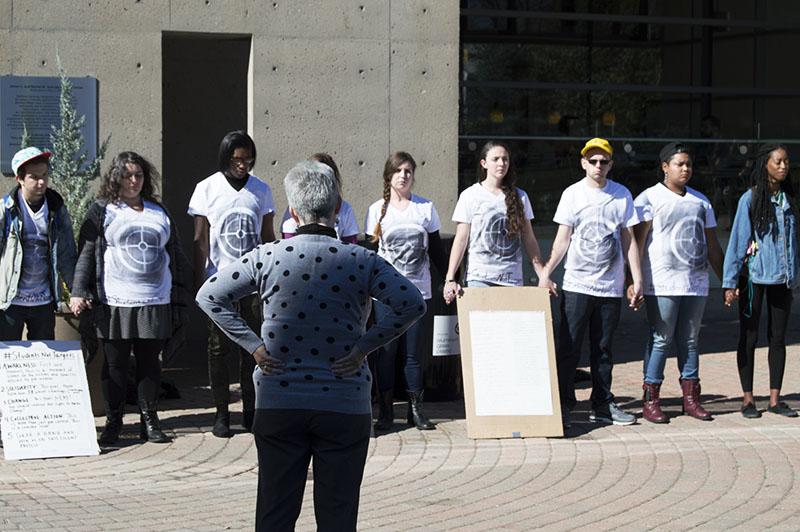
[[149, 425], [113, 427], [385, 410], [247, 419], [222, 423], [416, 416]]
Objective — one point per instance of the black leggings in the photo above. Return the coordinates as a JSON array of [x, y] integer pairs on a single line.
[[117, 353], [779, 305]]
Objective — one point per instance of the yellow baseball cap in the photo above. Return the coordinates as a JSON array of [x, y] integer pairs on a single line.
[[599, 143]]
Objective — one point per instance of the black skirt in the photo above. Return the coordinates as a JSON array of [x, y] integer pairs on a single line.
[[127, 323]]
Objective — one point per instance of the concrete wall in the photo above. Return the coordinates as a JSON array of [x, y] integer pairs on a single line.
[[356, 79]]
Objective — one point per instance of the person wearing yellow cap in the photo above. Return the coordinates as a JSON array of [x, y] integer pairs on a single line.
[[595, 218], [37, 250]]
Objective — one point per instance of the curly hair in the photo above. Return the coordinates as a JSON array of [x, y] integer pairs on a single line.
[[112, 179], [762, 214], [514, 212], [392, 165]]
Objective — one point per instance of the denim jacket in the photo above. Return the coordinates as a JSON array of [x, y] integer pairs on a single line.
[[62, 253], [776, 260]]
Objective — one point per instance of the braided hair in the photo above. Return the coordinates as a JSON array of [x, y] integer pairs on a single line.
[[514, 212], [392, 165], [762, 214]]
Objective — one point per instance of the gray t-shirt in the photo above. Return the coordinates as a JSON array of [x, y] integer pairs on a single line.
[[315, 292]]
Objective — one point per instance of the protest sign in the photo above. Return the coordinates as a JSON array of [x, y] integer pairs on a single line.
[[44, 400], [508, 362], [445, 336]]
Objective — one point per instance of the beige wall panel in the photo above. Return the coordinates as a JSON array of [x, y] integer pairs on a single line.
[[215, 16], [424, 118], [318, 95], [318, 19], [134, 16], [128, 67], [6, 57], [5, 17], [425, 20]]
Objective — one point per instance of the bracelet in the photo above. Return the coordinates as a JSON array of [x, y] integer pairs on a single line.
[[451, 281]]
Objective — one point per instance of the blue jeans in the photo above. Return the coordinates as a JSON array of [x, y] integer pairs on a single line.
[[414, 341], [674, 321], [601, 314]]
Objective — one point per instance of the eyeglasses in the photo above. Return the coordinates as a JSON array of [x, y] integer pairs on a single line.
[[242, 162], [594, 162]]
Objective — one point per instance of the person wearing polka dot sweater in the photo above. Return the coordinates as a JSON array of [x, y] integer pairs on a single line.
[[312, 381]]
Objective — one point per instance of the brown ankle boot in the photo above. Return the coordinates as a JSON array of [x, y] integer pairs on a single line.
[[651, 404], [691, 400]]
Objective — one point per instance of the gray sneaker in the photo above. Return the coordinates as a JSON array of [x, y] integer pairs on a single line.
[[612, 414]]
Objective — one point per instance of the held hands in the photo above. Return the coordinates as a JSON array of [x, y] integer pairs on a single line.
[[269, 365], [349, 365], [729, 295], [79, 304], [545, 282], [634, 295], [450, 291]]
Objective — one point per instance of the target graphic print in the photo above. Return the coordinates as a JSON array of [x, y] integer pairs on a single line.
[[405, 247], [237, 233], [495, 236], [688, 243], [596, 243], [139, 248]]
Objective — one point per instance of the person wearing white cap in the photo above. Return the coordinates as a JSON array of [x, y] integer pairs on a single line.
[[37, 250], [595, 218]]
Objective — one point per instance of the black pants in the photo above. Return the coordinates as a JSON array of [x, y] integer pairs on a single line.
[[40, 321], [286, 441], [117, 353], [601, 314], [779, 306], [220, 347]]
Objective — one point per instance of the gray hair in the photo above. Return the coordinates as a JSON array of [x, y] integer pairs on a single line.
[[312, 191]]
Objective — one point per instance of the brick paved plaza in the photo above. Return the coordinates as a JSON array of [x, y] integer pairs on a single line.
[[730, 473]]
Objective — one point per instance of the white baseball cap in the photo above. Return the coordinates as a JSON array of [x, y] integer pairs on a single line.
[[26, 155]]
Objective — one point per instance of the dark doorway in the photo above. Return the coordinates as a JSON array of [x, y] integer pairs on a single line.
[[204, 95]]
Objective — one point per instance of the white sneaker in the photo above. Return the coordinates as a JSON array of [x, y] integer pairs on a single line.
[[612, 414]]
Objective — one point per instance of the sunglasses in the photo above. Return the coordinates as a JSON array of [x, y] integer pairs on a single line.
[[603, 162]]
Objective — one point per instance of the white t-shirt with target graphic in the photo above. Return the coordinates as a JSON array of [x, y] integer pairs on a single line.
[[595, 264], [346, 224], [135, 262], [404, 238], [675, 261], [34, 279], [493, 256], [234, 216]]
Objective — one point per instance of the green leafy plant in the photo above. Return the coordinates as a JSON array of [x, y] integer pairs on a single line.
[[71, 173], [25, 141]]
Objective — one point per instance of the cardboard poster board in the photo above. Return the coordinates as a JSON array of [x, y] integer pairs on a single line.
[[509, 363], [44, 400]]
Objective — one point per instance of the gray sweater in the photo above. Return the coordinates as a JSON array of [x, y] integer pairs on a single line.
[[316, 296]]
